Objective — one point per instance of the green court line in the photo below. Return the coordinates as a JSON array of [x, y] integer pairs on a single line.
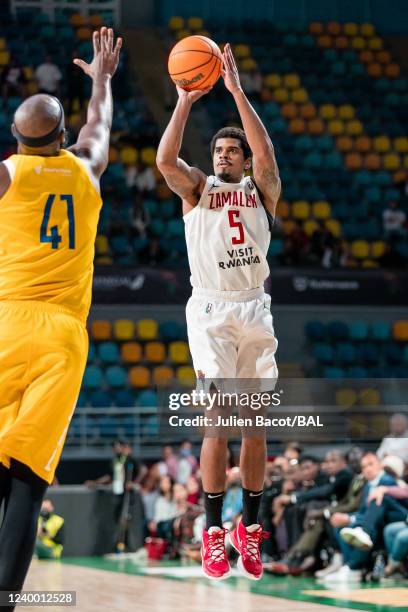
[[284, 587]]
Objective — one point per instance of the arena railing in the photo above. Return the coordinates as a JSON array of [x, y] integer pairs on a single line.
[[85, 7]]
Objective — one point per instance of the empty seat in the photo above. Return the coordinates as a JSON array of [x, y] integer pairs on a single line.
[[301, 209], [108, 352], [93, 377], [346, 354], [323, 353], [124, 398], [346, 397], [358, 330], [333, 372], [360, 249], [186, 376], [315, 331], [147, 329], [147, 399], [369, 397], [162, 376], [116, 376], [337, 330], [139, 376], [321, 210], [179, 352], [123, 329], [380, 330], [131, 352], [155, 352], [100, 399], [101, 330], [400, 330]]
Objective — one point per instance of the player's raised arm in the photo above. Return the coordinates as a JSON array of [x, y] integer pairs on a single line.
[[183, 179], [265, 168], [93, 139]]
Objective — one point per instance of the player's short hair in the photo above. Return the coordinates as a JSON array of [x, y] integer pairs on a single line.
[[232, 132]]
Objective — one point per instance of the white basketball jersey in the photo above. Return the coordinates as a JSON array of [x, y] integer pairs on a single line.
[[228, 237]]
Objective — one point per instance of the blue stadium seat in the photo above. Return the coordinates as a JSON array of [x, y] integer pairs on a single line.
[[346, 354], [275, 248], [358, 330], [380, 330], [82, 400], [357, 372], [91, 352], [108, 352], [323, 353], [147, 399], [370, 353], [170, 330], [315, 331], [100, 399], [332, 372], [392, 353], [338, 330], [93, 377], [116, 376], [124, 398]]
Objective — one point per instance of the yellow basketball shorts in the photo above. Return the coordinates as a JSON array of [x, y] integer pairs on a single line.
[[43, 353]]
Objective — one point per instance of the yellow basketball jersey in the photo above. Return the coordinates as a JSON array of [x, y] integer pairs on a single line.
[[48, 223]]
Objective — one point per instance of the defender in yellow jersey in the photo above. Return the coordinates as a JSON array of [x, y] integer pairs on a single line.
[[49, 211]]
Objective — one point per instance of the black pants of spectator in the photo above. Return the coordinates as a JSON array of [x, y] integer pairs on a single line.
[[123, 520], [294, 517], [376, 517], [22, 492]]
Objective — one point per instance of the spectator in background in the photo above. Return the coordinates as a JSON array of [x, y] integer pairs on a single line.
[[50, 534], [396, 543], [392, 258], [48, 77], [13, 81], [142, 178], [193, 490], [187, 463], [165, 510], [140, 218], [397, 442], [76, 84], [296, 246], [252, 82], [153, 253], [354, 559], [385, 504], [394, 220], [292, 452], [169, 463], [321, 240]]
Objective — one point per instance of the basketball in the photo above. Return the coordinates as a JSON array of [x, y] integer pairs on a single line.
[[195, 63]]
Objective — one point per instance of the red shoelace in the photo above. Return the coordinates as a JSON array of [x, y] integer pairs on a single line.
[[252, 541], [216, 545]]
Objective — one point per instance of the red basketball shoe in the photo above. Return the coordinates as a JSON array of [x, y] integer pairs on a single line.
[[214, 556], [246, 541]]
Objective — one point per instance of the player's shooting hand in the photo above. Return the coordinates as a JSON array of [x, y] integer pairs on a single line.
[[230, 71], [106, 55], [192, 96]]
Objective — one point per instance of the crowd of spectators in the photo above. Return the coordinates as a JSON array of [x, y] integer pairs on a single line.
[[342, 517]]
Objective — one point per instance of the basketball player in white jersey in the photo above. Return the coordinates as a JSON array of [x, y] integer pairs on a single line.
[[229, 321]]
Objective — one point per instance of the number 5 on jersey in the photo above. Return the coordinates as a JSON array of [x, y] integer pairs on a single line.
[[53, 236], [236, 224]]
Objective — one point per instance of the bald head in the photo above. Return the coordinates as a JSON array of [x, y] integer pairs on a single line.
[[37, 117]]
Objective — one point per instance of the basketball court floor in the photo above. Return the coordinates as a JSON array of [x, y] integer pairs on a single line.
[[122, 585]]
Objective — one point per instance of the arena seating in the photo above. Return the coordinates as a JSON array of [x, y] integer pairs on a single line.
[[358, 349], [335, 103]]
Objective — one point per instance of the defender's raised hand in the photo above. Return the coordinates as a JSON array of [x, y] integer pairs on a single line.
[[106, 56], [230, 72]]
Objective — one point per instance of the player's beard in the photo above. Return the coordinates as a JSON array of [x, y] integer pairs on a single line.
[[227, 177]]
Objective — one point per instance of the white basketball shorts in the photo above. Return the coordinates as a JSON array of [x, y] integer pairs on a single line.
[[231, 334]]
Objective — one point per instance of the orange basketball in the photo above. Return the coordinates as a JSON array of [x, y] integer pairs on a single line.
[[195, 63]]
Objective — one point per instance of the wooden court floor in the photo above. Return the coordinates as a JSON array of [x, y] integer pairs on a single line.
[[98, 590]]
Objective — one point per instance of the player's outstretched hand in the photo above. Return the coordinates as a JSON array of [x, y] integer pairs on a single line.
[[106, 56], [192, 96], [230, 71]]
